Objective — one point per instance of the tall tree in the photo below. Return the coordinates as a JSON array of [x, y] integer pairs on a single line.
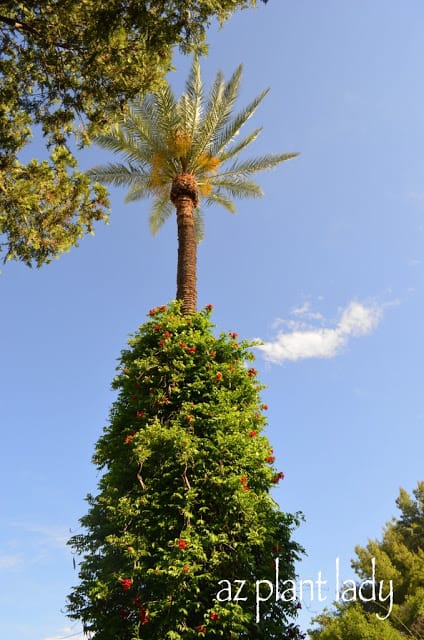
[[62, 63], [184, 152], [183, 534]]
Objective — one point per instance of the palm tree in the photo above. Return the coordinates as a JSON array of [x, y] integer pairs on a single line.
[[183, 152]]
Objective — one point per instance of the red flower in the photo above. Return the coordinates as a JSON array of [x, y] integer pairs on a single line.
[[278, 477], [153, 312], [245, 487], [270, 459], [162, 343], [140, 414], [212, 354], [265, 407], [126, 583], [201, 628], [253, 434], [209, 307], [191, 349], [243, 479], [213, 615], [186, 569], [162, 308], [182, 544], [183, 344], [157, 327], [219, 376], [233, 335], [251, 372], [129, 437], [281, 475], [167, 334], [143, 615]]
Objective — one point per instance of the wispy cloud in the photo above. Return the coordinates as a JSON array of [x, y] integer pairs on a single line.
[[10, 561], [302, 340]]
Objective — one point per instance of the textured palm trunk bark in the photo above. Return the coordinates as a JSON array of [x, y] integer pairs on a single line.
[[185, 198]]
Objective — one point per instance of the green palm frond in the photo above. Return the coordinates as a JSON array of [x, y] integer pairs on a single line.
[[238, 187], [159, 137], [162, 209], [199, 225], [254, 165], [218, 198], [238, 148], [117, 174], [232, 129]]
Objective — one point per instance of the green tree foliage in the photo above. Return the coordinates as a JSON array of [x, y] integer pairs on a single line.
[[184, 500], [399, 557], [63, 64], [185, 153]]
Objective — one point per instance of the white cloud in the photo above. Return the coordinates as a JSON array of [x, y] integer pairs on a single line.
[[10, 561], [306, 341]]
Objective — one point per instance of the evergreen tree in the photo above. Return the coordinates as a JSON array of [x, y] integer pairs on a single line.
[[399, 557], [184, 511]]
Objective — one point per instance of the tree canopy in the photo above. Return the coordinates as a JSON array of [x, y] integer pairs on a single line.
[[63, 65]]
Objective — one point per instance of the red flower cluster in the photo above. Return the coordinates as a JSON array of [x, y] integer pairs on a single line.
[[278, 477], [233, 335], [182, 544], [212, 354], [219, 375], [191, 349], [270, 459], [140, 414], [243, 480], [183, 344], [156, 310], [253, 434], [213, 615], [167, 334], [209, 307], [265, 407], [186, 569], [126, 583], [157, 327], [201, 628], [129, 438], [251, 372]]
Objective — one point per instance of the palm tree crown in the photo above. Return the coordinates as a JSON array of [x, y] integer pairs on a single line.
[[182, 153]]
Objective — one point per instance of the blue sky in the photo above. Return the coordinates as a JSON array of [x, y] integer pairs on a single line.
[[327, 269]]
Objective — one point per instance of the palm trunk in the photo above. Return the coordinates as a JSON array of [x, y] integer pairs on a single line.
[[185, 198]]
